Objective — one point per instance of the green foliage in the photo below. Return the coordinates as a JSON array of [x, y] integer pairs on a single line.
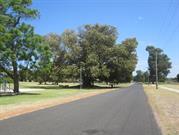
[[93, 48], [163, 64], [141, 76], [44, 63], [18, 42], [58, 58], [122, 61]]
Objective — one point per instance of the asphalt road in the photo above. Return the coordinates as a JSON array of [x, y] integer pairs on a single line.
[[121, 112]]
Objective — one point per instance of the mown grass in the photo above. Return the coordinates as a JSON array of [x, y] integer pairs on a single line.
[[36, 85], [48, 91], [120, 85], [38, 96]]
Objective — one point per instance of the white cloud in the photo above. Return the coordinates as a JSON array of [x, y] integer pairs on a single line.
[[140, 18]]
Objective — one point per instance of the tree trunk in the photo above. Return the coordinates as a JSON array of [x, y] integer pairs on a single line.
[[15, 78], [87, 82]]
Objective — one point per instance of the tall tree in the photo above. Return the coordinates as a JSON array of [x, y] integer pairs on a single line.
[[139, 76], [146, 76], [71, 65], [44, 64], [94, 41], [122, 60], [18, 43], [94, 51], [163, 63], [58, 56]]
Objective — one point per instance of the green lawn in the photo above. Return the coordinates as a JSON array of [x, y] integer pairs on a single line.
[[38, 96], [36, 85], [48, 92], [120, 85]]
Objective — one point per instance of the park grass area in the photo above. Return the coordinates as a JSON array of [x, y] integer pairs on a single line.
[[15, 105], [30, 97], [165, 105], [120, 85], [36, 85], [49, 92]]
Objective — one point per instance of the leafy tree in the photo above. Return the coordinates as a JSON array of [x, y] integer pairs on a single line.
[[44, 65], [18, 43], [57, 56], [25, 74], [139, 76], [163, 64], [94, 40], [93, 49], [146, 76], [121, 61]]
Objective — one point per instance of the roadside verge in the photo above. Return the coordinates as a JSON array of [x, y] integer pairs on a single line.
[[165, 106], [11, 111]]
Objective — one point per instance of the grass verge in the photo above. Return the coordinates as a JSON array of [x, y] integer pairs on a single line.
[[30, 97], [165, 105], [174, 86], [18, 108]]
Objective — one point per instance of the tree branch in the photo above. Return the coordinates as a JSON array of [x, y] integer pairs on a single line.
[[17, 21]]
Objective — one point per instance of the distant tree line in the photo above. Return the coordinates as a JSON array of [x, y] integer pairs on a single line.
[[92, 50], [141, 76]]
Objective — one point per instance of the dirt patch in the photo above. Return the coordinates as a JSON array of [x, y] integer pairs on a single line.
[[15, 110], [165, 105]]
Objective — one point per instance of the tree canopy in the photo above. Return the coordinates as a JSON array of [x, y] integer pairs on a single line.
[[92, 50], [18, 42], [141, 76], [163, 63]]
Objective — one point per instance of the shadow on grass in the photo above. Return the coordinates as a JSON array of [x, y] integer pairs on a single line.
[[90, 88], [9, 94], [55, 87]]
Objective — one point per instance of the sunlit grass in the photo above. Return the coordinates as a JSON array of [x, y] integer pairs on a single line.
[[49, 91], [37, 96], [166, 107]]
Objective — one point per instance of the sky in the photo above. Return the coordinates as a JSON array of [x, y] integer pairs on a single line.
[[152, 22]]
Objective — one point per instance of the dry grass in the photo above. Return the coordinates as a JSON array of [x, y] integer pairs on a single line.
[[174, 86], [165, 105]]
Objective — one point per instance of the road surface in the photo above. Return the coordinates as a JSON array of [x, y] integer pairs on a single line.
[[120, 112]]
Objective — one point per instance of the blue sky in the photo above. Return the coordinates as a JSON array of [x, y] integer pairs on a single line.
[[152, 22]]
